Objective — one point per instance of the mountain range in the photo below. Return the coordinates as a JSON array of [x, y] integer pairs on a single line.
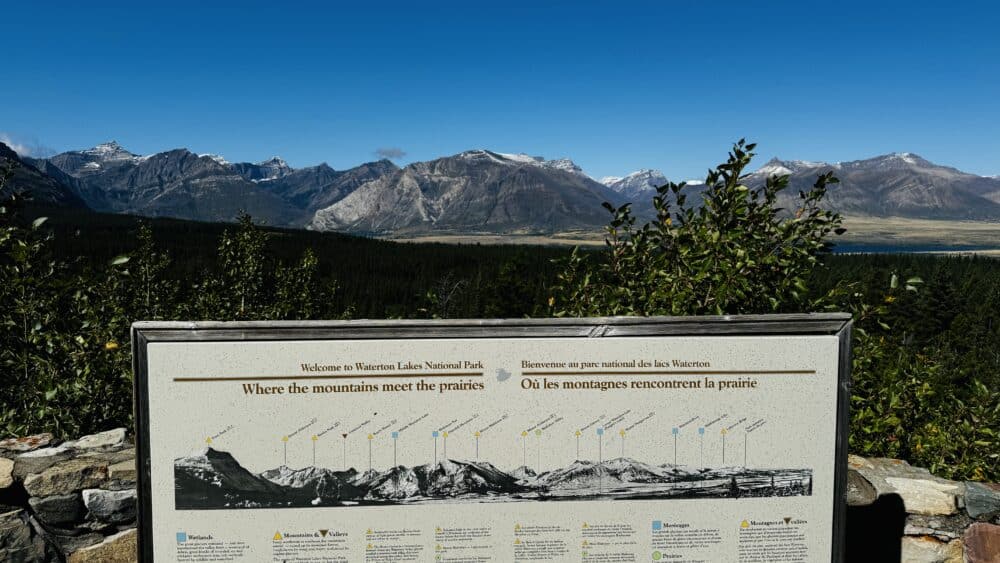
[[473, 192], [212, 479]]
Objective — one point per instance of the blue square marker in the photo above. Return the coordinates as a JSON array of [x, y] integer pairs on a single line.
[[657, 525], [600, 431], [435, 433], [701, 430], [675, 431], [395, 435], [182, 537]]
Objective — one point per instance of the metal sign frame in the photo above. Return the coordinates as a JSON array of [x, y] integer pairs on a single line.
[[144, 333]]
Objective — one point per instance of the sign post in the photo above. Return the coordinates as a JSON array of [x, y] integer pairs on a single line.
[[259, 490]]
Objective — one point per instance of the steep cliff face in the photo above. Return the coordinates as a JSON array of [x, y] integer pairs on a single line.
[[639, 185], [43, 185], [317, 187], [475, 191]]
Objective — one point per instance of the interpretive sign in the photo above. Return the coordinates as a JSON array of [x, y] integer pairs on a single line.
[[591, 440]]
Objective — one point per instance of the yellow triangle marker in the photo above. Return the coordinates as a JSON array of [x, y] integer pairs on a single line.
[[315, 437], [370, 437], [578, 433], [208, 440], [284, 438], [621, 433], [277, 536], [744, 524], [476, 434], [585, 525], [724, 432], [524, 433], [517, 541], [445, 434]]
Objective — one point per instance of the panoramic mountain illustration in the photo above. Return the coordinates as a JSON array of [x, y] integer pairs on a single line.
[[212, 479], [473, 192]]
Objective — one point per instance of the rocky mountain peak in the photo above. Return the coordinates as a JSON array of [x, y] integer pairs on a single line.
[[892, 161], [110, 151], [521, 159], [477, 190], [216, 157], [779, 167], [273, 168], [274, 161], [640, 183], [566, 165]]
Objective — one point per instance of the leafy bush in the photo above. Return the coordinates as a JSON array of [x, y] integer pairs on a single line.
[[65, 363], [733, 251], [913, 400], [736, 252]]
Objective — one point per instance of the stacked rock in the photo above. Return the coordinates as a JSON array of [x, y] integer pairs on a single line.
[[945, 521], [72, 500]]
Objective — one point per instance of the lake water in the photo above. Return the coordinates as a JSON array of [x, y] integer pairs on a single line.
[[904, 249]]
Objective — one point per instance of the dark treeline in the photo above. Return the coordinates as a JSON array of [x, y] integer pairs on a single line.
[[384, 279], [374, 278], [956, 309]]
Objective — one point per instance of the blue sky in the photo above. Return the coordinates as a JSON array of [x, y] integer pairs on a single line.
[[614, 85]]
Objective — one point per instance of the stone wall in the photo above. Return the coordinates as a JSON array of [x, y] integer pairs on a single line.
[[71, 501], [75, 501], [935, 520]]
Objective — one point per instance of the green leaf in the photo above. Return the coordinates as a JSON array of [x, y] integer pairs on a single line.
[[119, 260], [39, 222]]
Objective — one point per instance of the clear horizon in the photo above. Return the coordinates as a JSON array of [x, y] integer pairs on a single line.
[[648, 85]]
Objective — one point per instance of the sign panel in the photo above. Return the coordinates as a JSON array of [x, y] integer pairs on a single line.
[[659, 439]]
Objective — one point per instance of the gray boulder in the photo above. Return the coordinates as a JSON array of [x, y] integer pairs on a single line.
[[113, 507]]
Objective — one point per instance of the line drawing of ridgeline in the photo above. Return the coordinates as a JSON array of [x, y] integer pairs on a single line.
[[212, 479]]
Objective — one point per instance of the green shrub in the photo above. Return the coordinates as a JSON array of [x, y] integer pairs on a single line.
[[65, 363], [736, 252]]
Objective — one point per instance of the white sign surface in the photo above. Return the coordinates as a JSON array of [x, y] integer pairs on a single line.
[[492, 449]]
